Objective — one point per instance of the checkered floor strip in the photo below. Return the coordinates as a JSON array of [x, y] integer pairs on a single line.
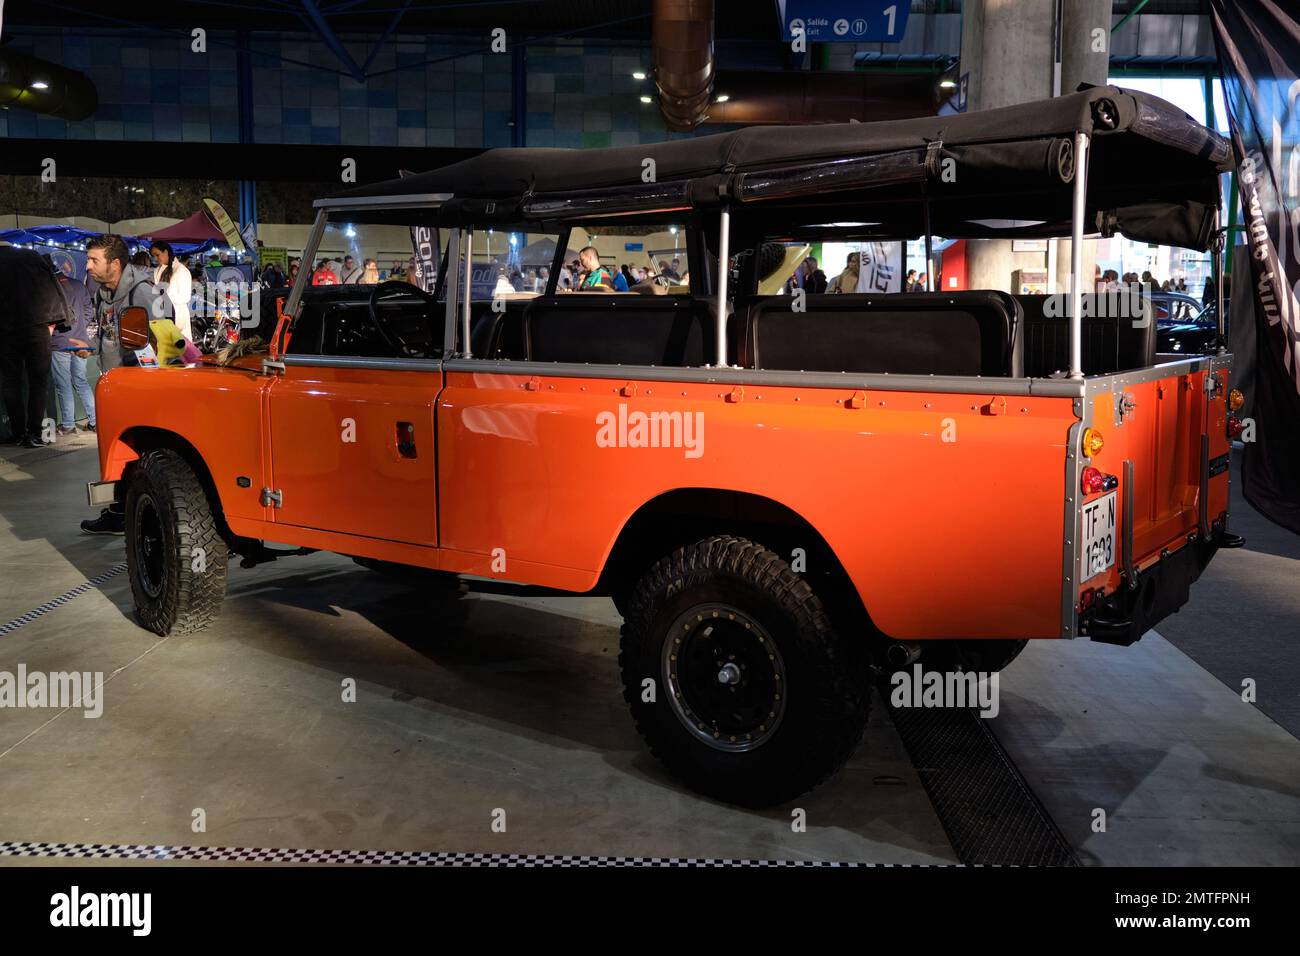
[[218, 854], [62, 599]]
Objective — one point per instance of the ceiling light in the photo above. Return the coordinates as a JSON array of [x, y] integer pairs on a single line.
[[722, 98], [40, 85], [638, 75], [646, 99], [947, 84]]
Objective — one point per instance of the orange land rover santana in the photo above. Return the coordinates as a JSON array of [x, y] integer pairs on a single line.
[[780, 492]]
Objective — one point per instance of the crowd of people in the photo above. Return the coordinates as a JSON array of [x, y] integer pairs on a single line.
[[35, 347], [586, 273], [54, 324], [1110, 280], [812, 280]]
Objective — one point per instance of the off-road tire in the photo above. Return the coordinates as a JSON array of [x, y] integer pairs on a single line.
[[178, 589], [826, 688]]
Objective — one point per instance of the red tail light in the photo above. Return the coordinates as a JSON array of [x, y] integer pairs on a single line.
[[1095, 480]]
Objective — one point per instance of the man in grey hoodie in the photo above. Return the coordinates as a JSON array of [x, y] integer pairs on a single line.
[[108, 262]]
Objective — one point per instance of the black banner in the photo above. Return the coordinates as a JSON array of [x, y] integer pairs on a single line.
[[1259, 58], [427, 251], [339, 906]]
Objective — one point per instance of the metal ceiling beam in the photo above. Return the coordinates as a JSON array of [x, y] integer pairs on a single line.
[[332, 42], [379, 44]]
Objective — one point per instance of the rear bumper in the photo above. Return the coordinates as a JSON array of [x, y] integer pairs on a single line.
[[100, 493], [1160, 590]]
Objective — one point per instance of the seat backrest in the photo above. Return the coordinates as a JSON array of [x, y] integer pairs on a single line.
[[619, 329], [482, 327], [1120, 340], [932, 333]]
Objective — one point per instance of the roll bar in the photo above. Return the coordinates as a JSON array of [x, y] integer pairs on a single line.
[[724, 274], [899, 166], [1081, 143]]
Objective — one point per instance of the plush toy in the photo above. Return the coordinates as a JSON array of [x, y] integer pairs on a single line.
[[171, 346]]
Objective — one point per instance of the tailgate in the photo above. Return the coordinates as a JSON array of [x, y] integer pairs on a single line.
[[1164, 469]]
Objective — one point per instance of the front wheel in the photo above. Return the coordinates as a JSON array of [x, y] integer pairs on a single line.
[[735, 676], [175, 554]]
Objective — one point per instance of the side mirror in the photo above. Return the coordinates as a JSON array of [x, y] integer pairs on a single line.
[[133, 327]]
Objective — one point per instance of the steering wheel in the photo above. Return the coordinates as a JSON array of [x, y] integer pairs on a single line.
[[395, 286]]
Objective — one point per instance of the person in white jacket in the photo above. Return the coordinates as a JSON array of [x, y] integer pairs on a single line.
[[172, 276]]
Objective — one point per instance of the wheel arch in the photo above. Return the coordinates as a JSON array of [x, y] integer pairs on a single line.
[[132, 444], [683, 516]]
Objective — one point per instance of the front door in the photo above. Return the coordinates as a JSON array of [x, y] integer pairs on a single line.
[[351, 427]]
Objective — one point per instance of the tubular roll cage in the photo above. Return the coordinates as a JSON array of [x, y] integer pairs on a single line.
[[910, 165]]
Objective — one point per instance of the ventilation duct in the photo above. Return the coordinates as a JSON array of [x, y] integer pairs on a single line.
[[757, 97], [684, 64], [686, 77]]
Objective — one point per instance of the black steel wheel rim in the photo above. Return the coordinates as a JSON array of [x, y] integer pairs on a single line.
[[151, 563], [725, 678]]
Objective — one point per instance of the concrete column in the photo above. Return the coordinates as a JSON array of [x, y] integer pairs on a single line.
[[1007, 47]]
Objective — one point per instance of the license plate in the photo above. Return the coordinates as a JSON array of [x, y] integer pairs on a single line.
[[1097, 538]]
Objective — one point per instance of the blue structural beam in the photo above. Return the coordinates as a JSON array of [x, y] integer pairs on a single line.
[[244, 97], [379, 44], [331, 41]]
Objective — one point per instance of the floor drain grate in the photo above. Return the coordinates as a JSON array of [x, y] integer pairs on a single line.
[[988, 811]]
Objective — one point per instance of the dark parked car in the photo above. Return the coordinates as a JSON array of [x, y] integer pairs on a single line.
[[1183, 325], [1175, 306]]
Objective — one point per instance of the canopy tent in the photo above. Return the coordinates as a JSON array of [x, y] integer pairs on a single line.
[[542, 253], [183, 248], [60, 235], [53, 235], [1154, 173], [191, 234]]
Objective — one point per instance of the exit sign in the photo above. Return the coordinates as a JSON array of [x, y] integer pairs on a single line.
[[844, 21]]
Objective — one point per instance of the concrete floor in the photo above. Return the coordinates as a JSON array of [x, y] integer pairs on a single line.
[[514, 703]]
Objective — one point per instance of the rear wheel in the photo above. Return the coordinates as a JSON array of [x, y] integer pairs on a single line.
[[735, 676], [175, 554]]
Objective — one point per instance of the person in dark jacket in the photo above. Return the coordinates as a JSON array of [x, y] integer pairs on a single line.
[[815, 281], [69, 352], [31, 307]]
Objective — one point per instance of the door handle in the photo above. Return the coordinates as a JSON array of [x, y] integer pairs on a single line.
[[406, 439]]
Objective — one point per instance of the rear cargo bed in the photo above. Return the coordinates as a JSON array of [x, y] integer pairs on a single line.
[[1163, 460]]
